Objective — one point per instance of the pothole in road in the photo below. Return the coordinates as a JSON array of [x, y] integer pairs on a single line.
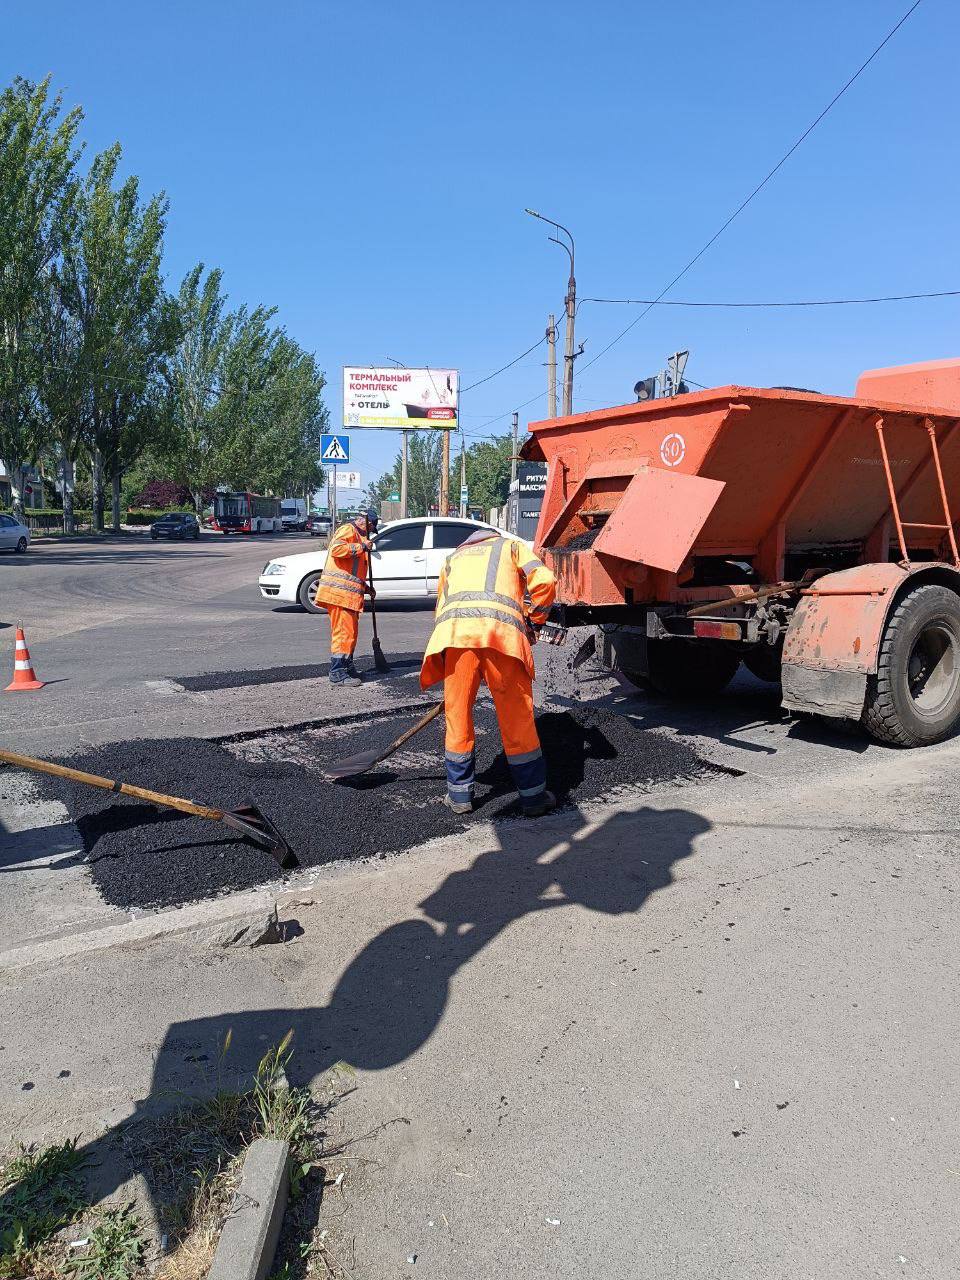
[[143, 857]]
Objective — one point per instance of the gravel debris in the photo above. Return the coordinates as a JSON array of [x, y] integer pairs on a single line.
[[582, 542], [140, 856]]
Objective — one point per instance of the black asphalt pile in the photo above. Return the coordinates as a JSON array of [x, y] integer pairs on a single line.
[[212, 680], [143, 857], [582, 542]]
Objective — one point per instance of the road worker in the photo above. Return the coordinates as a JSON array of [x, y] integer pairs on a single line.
[[482, 634], [342, 586]]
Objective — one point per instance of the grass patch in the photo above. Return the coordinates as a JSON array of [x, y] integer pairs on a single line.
[[192, 1160], [42, 1201]]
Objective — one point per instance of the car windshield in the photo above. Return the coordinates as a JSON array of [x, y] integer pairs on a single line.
[[175, 517]]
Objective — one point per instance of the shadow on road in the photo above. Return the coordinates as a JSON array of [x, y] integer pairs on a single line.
[[391, 997]]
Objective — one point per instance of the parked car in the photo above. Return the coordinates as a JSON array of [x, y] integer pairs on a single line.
[[293, 513], [176, 524], [14, 536], [318, 526], [407, 558]]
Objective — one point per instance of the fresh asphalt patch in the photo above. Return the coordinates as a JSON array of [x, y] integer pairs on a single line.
[[141, 857], [213, 680]]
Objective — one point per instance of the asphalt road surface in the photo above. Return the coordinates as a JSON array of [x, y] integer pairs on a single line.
[[704, 1031]]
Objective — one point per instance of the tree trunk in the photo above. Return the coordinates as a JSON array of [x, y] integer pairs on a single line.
[[115, 487], [197, 502], [67, 473], [15, 471], [96, 486]]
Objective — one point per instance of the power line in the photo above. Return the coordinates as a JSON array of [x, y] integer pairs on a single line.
[[516, 360], [756, 190], [819, 302]]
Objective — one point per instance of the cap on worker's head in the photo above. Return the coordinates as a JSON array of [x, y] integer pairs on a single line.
[[372, 518]]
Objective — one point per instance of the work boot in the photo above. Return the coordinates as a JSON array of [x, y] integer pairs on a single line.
[[340, 671], [543, 804], [457, 807], [353, 672]]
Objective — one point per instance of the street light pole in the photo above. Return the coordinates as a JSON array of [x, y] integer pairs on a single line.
[[551, 367], [404, 456], [570, 308]]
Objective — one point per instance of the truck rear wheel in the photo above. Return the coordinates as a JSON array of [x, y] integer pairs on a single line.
[[914, 699], [765, 661], [690, 669]]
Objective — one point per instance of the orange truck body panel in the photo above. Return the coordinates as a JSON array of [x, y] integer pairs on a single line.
[[757, 474]]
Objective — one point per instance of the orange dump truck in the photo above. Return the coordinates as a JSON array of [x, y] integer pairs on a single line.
[[810, 537]]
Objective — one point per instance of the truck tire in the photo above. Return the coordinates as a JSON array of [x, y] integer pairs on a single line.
[[765, 661], [914, 699], [685, 669], [307, 591]]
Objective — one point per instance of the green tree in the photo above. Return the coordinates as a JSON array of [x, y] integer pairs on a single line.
[[37, 196], [129, 325], [196, 422], [488, 465], [424, 454]]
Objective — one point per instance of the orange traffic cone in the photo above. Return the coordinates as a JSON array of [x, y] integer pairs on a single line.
[[24, 676]]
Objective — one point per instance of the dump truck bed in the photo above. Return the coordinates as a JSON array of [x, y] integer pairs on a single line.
[[740, 472]]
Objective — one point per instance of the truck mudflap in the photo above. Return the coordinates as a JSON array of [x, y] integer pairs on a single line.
[[832, 644]]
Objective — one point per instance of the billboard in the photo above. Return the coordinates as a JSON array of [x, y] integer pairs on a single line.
[[348, 479], [400, 399]]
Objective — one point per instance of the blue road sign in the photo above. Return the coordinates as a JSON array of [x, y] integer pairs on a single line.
[[335, 449]]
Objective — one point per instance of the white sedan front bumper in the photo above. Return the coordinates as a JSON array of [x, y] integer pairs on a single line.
[[281, 587]]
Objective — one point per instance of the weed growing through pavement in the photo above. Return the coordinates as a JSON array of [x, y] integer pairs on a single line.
[[41, 1196], [192, 1160]]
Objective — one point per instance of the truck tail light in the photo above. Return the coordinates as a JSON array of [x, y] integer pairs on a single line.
[[717, 630]]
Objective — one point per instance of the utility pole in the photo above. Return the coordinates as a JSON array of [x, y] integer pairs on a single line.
[[403, 475], [445, 474], [551, 367], [404, 454], [463, 474], [513, 451], [332, 498], [570, 310]]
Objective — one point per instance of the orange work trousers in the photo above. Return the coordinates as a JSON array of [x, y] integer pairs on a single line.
[[512, 691], [344, 628]]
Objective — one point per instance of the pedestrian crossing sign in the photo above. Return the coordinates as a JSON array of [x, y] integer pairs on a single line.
[[334, 448]]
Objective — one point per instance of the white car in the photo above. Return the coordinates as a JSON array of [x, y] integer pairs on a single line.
[[407, 558], [14, 536]]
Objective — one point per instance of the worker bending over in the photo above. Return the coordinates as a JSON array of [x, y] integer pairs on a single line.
[[343, 583], [482, 634]]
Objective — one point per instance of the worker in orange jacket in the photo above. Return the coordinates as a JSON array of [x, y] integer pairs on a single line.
[[482, 635], [342, 586]]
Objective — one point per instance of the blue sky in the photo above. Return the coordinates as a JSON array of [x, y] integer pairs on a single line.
[[365, 166]]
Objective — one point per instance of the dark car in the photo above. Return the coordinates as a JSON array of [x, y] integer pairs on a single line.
[[318, 526], [177, 524]]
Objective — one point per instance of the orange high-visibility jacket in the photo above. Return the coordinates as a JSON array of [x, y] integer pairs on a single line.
[[345, 572], [480, 602]]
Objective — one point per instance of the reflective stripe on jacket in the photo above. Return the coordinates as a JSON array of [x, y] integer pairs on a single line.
[[481, 605], [344, 575]]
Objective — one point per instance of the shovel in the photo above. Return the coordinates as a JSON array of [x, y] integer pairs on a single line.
[[247, 819], [379, 661], [353, 766]]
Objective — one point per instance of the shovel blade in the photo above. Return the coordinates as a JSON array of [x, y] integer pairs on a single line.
[[586, 650], [251, 823], [353, 766]]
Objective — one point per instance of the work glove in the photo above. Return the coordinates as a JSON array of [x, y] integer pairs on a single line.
[[371, 591]]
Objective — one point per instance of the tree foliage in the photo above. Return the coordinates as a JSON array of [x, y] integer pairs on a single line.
[[100, 367]]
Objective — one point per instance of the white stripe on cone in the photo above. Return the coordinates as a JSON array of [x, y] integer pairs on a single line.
[[22, 666]]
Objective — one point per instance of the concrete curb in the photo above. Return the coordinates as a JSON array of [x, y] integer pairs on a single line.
[[244, 920], [249, 1237]]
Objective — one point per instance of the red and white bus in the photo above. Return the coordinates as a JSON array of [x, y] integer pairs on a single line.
[[246, 513]]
